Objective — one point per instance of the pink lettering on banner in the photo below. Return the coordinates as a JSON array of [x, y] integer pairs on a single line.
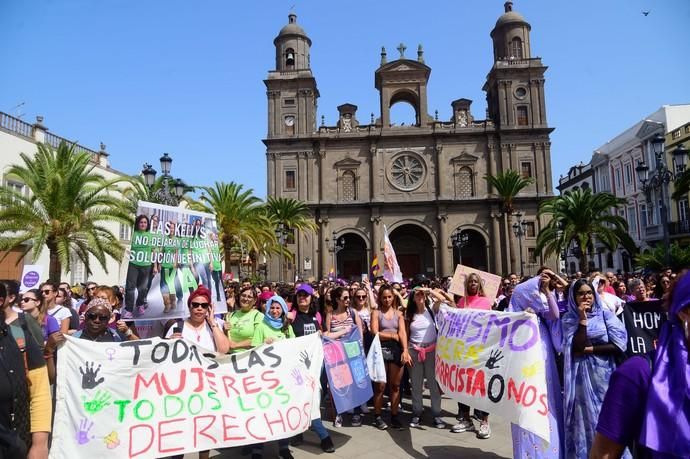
[[333, 352]]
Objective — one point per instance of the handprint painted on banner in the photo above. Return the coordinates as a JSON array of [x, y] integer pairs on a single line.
[[297, 375], [83, 433], [304, 358], [494, 357], [100, 401], [112, 440], [88, 376]]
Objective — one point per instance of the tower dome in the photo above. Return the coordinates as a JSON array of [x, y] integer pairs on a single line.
[[511, 35], [292, 46]]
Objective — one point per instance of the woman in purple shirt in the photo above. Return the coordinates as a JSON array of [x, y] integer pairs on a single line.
[[647, 407]]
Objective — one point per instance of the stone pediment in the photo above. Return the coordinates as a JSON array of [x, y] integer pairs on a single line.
[[465, 157], [648, 128], [405, 69], [347, 163]]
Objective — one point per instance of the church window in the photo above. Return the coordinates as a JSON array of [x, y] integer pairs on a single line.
[[465, 183], [522, 117], [349, 186], [289, 102], [290, 58], [290, 180], [526, 169], [516, 48], [407, 171], [530, 229]]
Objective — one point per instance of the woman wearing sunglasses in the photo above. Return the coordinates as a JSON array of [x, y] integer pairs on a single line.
[[33, 304], [242, 323], [96, 320], [201, 327]]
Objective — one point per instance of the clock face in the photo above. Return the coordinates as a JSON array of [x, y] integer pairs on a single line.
[[289, 120]]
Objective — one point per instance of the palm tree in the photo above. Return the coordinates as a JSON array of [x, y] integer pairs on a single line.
[[240, 217], [580, 216], [65, 211], [292, 214], [655, 259], [507, 186]]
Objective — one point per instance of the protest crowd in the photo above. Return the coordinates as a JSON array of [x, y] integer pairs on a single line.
[[615, 350]]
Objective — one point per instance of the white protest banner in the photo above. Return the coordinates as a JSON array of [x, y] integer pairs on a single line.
[[155, 398], [173, 250], [493, 361], [491, 282], [32, 276]]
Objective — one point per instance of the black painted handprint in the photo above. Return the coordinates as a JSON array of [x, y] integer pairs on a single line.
[[494, 357], [88, 378], [304, 358]]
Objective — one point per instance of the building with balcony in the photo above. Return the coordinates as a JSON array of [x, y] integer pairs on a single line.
[[679, 213], [18, 136]]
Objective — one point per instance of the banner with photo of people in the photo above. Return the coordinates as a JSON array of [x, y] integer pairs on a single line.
[[173, 251]]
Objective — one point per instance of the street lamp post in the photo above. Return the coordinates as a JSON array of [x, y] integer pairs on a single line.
[[281, 233], [659, 180], [519, 232], [169, 194], [336, 245], [460, 239]]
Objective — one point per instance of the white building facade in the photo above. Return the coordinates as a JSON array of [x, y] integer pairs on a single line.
[[18, 136]]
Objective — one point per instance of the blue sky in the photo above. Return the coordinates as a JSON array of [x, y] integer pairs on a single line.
[[186, 77]]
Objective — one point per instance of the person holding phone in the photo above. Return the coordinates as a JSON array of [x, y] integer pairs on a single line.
[[201, 327]]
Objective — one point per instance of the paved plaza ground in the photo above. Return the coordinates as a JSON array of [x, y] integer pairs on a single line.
[[425, 442]]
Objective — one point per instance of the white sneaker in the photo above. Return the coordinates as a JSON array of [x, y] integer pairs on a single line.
[[414, 422], [464, 425], [484, 431], [338, 421]]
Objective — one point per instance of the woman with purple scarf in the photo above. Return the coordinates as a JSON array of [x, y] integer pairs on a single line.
[[647, 408], [535, 296], [592, 337]]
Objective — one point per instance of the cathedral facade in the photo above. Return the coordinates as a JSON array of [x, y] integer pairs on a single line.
[[424, 182]]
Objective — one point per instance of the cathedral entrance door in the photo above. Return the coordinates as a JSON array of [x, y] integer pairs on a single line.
[[414, 249], [352, 260]]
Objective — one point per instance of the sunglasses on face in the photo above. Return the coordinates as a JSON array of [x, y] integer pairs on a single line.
[[27, 299], [46, 292], [94, 316], [361, 297], [200, 305], [344, 298]]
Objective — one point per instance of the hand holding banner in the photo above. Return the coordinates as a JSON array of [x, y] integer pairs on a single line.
[[154, 398], [493, 361]]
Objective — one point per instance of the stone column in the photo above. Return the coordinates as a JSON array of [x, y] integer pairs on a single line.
[[445, 262], [498, 268], [376, 242], [323, 246]]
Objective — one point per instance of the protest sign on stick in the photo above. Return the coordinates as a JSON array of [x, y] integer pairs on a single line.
[[173, 251], [643, 321], [491, 282], [493, 361], [155, 398], [347, 371]]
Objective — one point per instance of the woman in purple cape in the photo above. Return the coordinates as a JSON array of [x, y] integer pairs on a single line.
[[535, 296], [647, 407]]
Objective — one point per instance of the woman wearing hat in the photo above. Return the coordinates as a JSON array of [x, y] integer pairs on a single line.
[[96, 320], [241, 324], [201, 327]]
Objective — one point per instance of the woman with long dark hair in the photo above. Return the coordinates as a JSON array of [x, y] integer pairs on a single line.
[[388, 322], [593, 336], [140, 268]]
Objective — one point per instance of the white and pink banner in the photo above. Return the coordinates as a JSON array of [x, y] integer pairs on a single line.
[[156, 398], [493, 361]]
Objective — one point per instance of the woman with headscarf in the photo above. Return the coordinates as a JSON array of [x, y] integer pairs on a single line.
[[536, 297], [592, 338], [96, 320], [647, 407]]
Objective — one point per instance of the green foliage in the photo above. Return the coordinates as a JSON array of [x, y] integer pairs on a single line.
[[655, 259], [65, 210], [507, 185], [581, 217], [240, 217]]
